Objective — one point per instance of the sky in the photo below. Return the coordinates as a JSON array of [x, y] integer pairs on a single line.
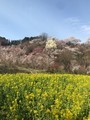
[[57, 18]]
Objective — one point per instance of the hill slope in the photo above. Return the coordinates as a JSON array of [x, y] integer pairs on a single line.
[[44, 54]]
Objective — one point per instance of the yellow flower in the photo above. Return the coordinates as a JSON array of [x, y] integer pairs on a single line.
[[35, 111], [31, 95], [11, 108], [27, 96], [55, 111], [68, 114], [47, 111], [56, 116], [56, 101], [45, 94], [42, 107]]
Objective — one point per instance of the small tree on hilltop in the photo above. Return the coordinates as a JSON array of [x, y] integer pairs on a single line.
[[44, 36]]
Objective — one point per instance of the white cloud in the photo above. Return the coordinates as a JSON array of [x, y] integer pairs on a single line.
[[85, 29], [72, 20]]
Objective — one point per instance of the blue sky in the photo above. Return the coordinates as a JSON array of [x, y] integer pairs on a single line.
[[58, 18]]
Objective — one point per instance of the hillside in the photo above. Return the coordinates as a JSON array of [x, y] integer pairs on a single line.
[[44, 54]]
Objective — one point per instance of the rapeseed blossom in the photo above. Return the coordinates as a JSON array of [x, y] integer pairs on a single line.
[[44, 96]]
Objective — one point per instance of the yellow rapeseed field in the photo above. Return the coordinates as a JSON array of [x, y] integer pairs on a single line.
[[44, 97]]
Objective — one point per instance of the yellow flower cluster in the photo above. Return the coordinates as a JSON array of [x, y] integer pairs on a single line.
[[44, 97]]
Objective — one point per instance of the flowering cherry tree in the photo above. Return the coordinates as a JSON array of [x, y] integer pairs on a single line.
[[51, 44]]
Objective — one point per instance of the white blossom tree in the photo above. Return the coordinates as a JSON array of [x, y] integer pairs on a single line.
[[51, 44]]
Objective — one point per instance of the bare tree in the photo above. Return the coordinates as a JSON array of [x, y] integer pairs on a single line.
[[65, 58], [44, 36]]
